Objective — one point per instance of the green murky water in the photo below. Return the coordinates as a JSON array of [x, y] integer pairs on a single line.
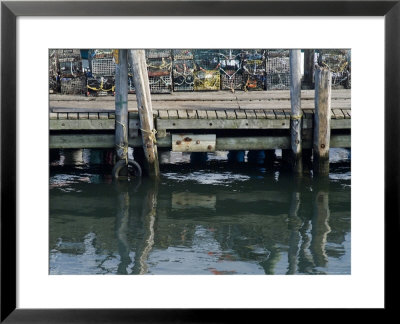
[[210, 218]]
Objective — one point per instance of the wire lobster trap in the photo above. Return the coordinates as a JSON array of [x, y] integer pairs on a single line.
[[157, 53], [69, 53], [277, 61], [100, 53], [53, 71], [160, 84], [338, 62], [277, 81], [183, 75], [69, 63], [100, 86], [206, 72], [53, 63], [103, 67], [101, 62], [253, 61], [70, 68], [182, 54], [231, 72], [277, 69], [53, 84], [253, 82], [131, 85], [159, 70], [75, 85], [253, 65]]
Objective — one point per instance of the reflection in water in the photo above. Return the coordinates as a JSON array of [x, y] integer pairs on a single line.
[[122, 220], [294, 238], [320, 228], [148, 215], [209, 219]]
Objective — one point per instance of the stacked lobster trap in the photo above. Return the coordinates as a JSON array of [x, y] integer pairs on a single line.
[[231, 69], [131, 85], [253, 64], [72, 78], [101, 80], [53, 71], [338, 62], [206, 72], [183, 70], [277, 69], [159, 69]]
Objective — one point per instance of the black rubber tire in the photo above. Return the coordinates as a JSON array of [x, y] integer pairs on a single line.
[[121, 164]]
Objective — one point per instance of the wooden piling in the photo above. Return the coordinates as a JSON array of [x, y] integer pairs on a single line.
[[296, 113], [308, 81], [142, 87], [121, 108], [322, 121]]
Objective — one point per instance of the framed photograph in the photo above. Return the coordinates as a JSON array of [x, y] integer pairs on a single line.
[[248, 230]]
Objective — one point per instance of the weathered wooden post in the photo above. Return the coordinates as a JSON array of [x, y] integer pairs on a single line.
[[308, 80], [296, 113], [142, 87], [322, 121], [121, 110], [308, 83]]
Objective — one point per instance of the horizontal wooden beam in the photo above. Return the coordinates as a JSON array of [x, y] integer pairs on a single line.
[[78, 141], [82, 124], [162, 124], [222, 124]]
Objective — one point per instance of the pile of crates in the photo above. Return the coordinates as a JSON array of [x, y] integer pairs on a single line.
[[53, 71], [131, 85], [159, 69], [253, 63], [231, 72], [183, 70], [338, 62], [190, 70], [277, 69], [101, 79], [72, 78], [206, 71]]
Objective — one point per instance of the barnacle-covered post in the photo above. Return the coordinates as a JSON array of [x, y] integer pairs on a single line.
[[296, 113], [121, 108], [322, 121], [142, 87]]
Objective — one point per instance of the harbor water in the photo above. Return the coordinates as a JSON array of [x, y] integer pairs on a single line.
[[204, 217]]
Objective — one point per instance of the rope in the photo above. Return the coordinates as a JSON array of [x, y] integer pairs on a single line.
[[296, 117], [152, 135], [125, 147], [101, 88], [116, 56]]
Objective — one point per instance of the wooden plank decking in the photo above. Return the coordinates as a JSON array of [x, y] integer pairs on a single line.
[[208, 111]]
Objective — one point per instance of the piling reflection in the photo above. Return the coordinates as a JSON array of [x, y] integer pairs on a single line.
[[320, 228], [294, 223], [234, 224], [122, 226], [149, 216]]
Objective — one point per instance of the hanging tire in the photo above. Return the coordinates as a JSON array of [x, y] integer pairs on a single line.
[[137, 170]]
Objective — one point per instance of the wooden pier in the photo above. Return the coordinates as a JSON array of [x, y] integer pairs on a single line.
[[205, 122], [240, 121]]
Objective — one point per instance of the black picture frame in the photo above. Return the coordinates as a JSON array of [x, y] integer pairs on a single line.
[[10, 10]]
